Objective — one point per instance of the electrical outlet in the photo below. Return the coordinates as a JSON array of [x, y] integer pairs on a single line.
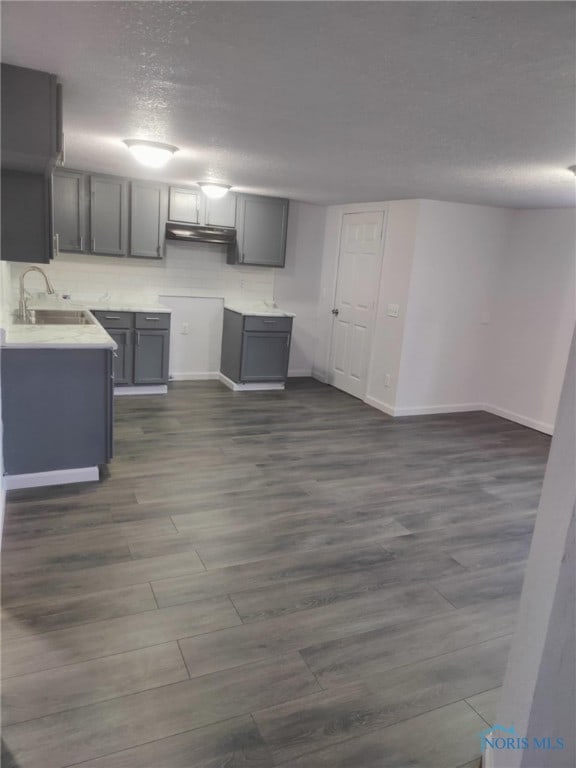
[[393, 310], [387, 380], [185, 329]]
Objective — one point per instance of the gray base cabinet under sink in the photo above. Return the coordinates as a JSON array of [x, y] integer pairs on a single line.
[[255, 348], [143, 340]]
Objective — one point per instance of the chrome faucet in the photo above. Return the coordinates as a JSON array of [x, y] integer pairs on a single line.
[[22, 308]]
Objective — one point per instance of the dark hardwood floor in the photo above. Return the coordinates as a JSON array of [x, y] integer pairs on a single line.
[[268, 579]]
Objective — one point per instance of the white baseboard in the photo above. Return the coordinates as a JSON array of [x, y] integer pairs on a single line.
[[210, 376], [300, 374], [155, 389], [526, 421], [380, 405], [56, 477], [256, 386], [424, 410]]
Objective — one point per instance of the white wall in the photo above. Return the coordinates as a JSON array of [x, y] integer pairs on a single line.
[[401, 223], [533, 317], [454, 273], [4, 307], [539, 694], [297, 286]]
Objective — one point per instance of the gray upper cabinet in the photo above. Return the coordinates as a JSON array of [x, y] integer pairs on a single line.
[[31, 120], [147, 217], [108, 215], [222, 212], [69, 210], [261, 223], [184, 205], [26, 217]]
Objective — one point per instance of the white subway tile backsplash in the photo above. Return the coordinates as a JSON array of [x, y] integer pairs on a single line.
[[185, 271]]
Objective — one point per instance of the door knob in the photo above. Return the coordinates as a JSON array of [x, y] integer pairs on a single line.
[[335, 311]]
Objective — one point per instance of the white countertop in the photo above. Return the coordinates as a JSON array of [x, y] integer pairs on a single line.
[[24, 336], [258, 308]]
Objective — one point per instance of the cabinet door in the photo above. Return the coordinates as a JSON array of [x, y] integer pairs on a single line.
[[222, 212], [26, 217], [31, 120], [69, 218], [262, 230], [184, 205], [151, 357], [265, 356], [147, 217], [123, 357], [108, 198]]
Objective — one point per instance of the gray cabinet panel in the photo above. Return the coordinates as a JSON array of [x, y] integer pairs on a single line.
[[147, 217], [69, 210], [155, 321], [222, 212], [265, 356], [111, 319], [31, 120], [184, 205], [26, 217], [123, 356], [262, 223], [108, 199], [57, 409], [268, 323], [151, 352]]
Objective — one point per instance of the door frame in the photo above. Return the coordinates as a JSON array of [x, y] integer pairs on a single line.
[[344, 210]]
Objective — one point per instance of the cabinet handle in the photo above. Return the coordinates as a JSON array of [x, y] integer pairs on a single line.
[[81, 243], [151, 318], [137, 338], [115, 354], [269, 322], [112, 317], [93, 243], [56, 244]]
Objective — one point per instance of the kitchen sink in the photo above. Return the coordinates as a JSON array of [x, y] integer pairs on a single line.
[[57, 317]]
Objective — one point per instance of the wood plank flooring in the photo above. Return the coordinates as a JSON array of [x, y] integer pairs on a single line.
[[268, 579]]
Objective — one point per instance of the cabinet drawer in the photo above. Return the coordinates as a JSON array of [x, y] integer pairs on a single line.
[[156, 321], [111, 319], [267, 323]]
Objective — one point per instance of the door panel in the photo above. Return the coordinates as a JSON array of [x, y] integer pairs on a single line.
[[183, 205], [146, 219], [265, 356], [123, 356], [151, 357], [69, 201], [355, 300], [108, 215]]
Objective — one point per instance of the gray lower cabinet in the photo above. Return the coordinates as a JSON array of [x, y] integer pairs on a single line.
[[143, 340], [261, 227], [148, 205], [57, 407], [255, 348], [69, 189], [108, 215], [26, 217], [151, 357], [123, 356]]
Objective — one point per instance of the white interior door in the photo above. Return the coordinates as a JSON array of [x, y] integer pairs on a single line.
[[355, 300]]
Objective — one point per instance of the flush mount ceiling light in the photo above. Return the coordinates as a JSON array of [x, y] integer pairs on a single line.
[[213, 189], [154, 154]]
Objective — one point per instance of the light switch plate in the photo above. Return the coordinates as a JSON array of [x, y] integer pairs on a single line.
[[393, 310]]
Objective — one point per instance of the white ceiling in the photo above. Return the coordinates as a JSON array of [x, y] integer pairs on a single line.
[[324, 102]]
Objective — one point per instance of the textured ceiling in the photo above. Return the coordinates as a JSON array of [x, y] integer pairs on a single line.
[[323, 102]]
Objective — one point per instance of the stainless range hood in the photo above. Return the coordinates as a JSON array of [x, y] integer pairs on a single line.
[[194, 233]]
